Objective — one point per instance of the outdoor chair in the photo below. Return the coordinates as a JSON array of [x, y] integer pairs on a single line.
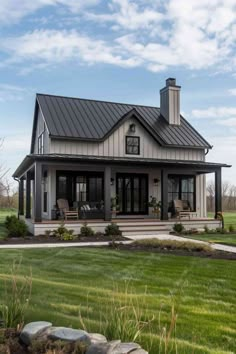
[[65, 210], [182, 208]]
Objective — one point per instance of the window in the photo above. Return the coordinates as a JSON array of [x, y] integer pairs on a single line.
[[132, 145], [183, 188], [41, 143]]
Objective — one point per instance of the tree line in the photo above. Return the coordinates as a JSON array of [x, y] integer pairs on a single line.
[[228, 196]]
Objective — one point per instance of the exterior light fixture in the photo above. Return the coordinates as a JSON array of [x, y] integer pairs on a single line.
[[132, 128], [156, 181], [112, 181]]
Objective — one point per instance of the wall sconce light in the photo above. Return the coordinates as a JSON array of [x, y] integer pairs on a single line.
[[156, 181], [112, 181], [132, 128]]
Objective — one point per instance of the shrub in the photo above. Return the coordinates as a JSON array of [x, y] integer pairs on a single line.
[[174, 245], [16, 228], [112, 230], [63, 233], [86, 230], [178, 227], [219, 230], [206, 229], [10, 219], [231, 228]]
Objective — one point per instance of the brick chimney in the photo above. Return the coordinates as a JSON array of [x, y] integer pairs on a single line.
[[170, 102]]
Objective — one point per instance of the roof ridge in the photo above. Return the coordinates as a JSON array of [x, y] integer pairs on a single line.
[[95, 100]]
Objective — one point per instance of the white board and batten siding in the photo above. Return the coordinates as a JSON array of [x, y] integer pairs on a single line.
[[114, 146], [42, 128]]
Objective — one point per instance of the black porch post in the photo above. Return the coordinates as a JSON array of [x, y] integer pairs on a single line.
[[28, 195], [218, 192], [107, 193], [38, 192], [164, 195], [21, 197]]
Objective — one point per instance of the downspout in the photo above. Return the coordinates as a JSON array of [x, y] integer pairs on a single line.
[[17, 180], [206, 152]]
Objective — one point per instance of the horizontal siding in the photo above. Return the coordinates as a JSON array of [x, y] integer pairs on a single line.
[[114, 146]]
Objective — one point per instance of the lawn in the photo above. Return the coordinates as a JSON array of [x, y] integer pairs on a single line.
[[229, 218], [69, 281], [224, 239]]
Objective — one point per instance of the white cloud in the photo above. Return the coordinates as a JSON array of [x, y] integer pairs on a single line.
[[231, 122], [232, 92], [50, 47], [214, 112], [12, 93]]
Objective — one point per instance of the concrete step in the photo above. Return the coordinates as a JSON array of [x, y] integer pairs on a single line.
[[145, 232], [143, 227]]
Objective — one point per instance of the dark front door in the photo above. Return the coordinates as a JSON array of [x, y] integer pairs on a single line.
[[132, 193]]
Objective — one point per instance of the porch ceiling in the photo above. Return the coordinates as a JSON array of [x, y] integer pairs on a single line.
[[198, 166]]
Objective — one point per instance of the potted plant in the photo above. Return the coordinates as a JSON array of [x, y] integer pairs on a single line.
[[156, 206], [114, 205]]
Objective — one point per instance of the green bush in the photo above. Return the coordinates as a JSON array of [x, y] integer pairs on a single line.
[[231, 228], [112, 230], [219, 230], [206, 229], [63, 233], [178, 227], [15, 227], [10, 219], [86, 231]]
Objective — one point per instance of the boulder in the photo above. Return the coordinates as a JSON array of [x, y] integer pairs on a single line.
[[69, 335], [103, 348], [33, 330], [139, 351], [126, 348], [97, 338]]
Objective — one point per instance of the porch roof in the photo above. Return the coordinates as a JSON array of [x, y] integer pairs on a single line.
[[199, 166]]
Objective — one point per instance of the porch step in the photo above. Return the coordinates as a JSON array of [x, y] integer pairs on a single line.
[[145, 232], [142, 227]]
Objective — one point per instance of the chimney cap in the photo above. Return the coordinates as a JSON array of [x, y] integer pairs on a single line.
[[171, 81]]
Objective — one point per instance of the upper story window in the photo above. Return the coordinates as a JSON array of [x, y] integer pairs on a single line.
[[133, 145], [41, 141]]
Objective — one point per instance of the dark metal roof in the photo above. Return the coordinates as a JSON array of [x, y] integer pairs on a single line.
[[200, 166], [75, 118]]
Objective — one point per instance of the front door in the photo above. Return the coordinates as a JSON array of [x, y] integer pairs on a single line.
[[132, 193]]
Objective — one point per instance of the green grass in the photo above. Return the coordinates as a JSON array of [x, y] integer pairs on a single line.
[[229, 218], [69, 281], [3, 214], [224, 239]]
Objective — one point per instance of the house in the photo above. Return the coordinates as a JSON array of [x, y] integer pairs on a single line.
[[88, 152]]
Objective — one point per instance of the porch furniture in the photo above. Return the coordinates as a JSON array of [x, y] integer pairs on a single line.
[[90, 210], [65, 210], [189, 214], [182, 208]]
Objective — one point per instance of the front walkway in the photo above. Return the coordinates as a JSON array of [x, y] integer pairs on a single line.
[[216, 246]]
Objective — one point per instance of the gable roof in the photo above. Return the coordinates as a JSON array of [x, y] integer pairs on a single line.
[[84, 119]]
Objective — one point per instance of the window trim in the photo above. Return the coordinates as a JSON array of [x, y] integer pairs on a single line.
[[126, 145]]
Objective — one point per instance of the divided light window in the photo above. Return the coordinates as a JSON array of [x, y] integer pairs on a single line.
[[133, 145]]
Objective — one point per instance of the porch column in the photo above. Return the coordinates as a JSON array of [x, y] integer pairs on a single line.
[[28, 195], [21, 197], [218, 192], [38, 192], [107, 193], [164, 194]]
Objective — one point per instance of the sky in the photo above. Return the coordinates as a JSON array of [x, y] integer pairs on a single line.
[[122, 51]]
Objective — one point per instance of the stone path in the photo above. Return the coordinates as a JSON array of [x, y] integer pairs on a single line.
[[133, 238]]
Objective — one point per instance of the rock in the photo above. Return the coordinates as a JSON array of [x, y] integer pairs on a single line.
[[126, 348], [32, 330], [103, 348], [69, 335], [97, 338], [139, 351]]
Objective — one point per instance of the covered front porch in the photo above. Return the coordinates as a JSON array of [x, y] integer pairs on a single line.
[[113, 188]]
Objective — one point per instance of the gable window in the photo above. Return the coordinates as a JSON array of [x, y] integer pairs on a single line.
[[41, 143], [132, 145]]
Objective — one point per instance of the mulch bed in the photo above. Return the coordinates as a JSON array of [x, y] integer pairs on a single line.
[[49, 239], [214, 255]]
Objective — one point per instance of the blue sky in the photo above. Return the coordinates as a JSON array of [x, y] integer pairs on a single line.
[[119, 50]]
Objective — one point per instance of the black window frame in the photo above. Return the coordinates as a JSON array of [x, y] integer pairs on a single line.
[[126, 145], [180, 178]]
